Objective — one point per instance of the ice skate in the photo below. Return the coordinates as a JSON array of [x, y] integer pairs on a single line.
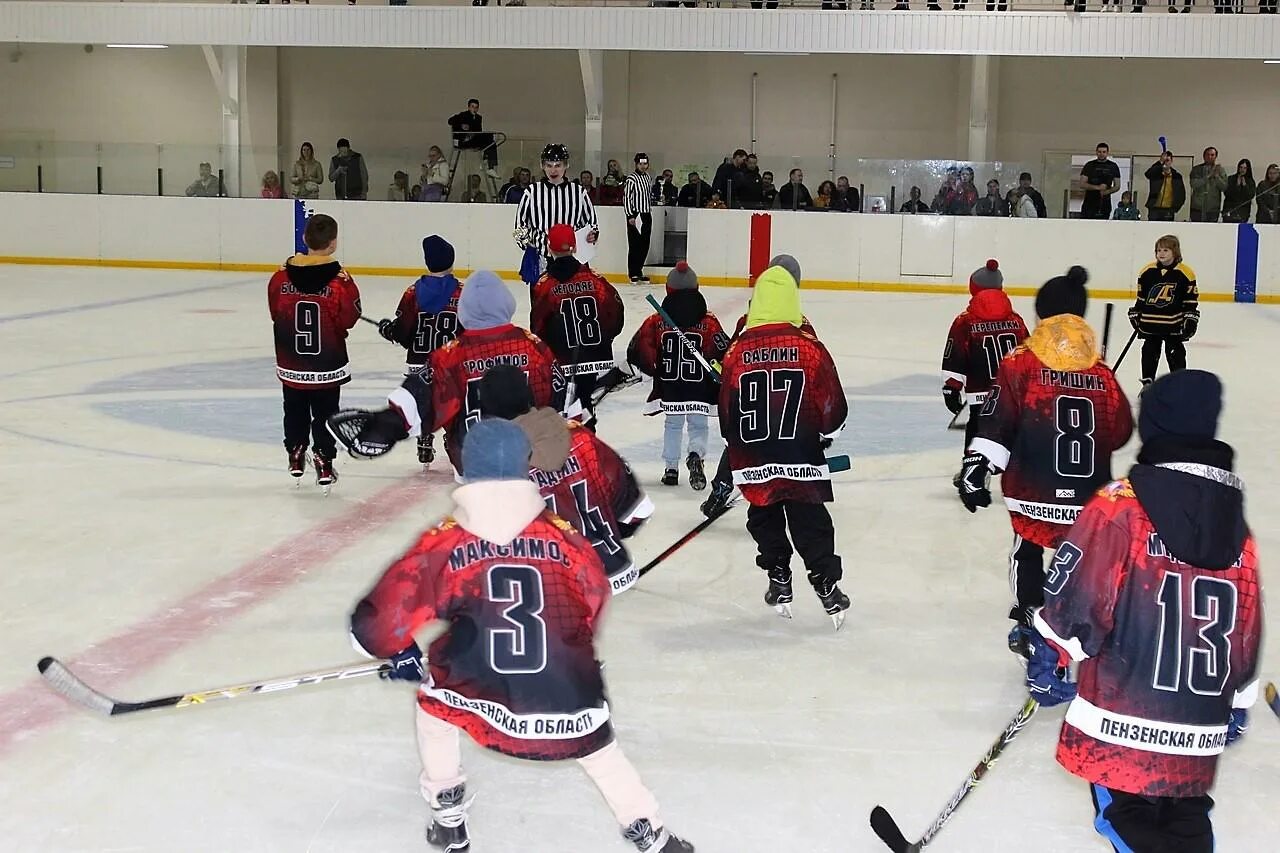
[[649, 840], [325, 475], [717, 503], [426, 449], [448, 828], [779, 595], [697, 476], [297, 464], [671, 477], [835, 602]]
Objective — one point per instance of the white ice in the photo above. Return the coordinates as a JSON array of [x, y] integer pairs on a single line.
[[141, 461]]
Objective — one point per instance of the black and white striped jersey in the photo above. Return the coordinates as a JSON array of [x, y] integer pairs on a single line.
[[637, 194], [545, 204]]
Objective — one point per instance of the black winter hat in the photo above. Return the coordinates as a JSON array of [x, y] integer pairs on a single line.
[[1185, 404], [1063, 294], [504, 392]]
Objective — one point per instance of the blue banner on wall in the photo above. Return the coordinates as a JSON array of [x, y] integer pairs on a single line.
[[1246, 263], [300, 214]]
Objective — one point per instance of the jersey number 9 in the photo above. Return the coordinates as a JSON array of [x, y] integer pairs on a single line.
[[306, 328]]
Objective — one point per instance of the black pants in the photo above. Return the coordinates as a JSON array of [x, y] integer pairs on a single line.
[[1204, 215], [306, 411], [482, 141], [723, 474], [1175, 352], [1135, 824], [812, 532], [1026, 576], [1158, 214], [638, 244], [583, 387]]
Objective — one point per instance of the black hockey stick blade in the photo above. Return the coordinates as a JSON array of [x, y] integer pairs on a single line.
[[1273, 698], [684, 540], [887, 829], [1106, 328]]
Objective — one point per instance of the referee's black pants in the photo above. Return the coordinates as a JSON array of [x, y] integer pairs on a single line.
[[638, 244]]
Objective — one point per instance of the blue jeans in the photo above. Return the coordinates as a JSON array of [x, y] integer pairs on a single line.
[[672, 435]]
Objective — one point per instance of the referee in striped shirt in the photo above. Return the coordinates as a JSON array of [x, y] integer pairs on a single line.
[[554, 200], [637, 196]]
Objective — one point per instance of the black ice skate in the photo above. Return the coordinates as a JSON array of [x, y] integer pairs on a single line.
[[835, 602], [297, 464], [778, 595], [671, 477], [697, 476], [718, 502], [448, 828], [325, 475], [426, 449], [649, 840]]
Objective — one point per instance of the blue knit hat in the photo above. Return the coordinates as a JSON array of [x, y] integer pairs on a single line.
[[438, 253], [1184, 404], [485, 302], [495, 449]]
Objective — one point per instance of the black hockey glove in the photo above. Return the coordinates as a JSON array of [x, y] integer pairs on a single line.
[[1135, 317], [975, 481], [953, 398], [1189, 325], [367, 434], [387, 328], [406, 665]]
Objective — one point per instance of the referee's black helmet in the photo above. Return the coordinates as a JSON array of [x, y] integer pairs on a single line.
[[555, 152]]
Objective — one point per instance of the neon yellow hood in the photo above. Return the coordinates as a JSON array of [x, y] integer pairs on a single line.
[[775, 299]]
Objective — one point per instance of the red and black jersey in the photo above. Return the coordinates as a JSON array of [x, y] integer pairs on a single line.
[[1166, 649], [597, 493], [980, 337], [515, 667], [457, 368], [1052, 429], [681, 385], [313, 302], [780, 396], [579, 314], [423, 332], [805, 326]]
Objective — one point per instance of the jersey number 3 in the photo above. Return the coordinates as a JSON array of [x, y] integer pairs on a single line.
[[520, 646]]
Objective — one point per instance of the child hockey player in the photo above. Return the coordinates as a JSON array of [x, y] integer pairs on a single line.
[[427, 318], [313, 303], [1167, 312], [580, 477], [781, 402], [1050, 424], [682, 389], [578, 313], [979, 338], [1155, 592], [520, 593]]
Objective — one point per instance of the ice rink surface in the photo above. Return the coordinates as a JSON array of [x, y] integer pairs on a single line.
[[154, 541]]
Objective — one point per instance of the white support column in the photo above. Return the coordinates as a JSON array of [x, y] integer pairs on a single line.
[[592, 64], [983, 96], [228, 69]]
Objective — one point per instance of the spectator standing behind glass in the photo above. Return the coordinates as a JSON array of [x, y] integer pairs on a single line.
[[1101, 178], [1126, 210], [824, 199], [399, 189], [968, 193], [468, 133], [696, 193], [1268, 197], [348, 174], [1166, 192], [768, 191], [512, 181], [730, 177], [991, 204], [1237, 202], [609, 188], [1028, 191], [271, 187], [1208, 182], [308, 174], [849, 200], [795, 195], [474, 195], [435, 176], [664, 189], [913, 204], [749, 191], [588, 182], [205, 185], [516, 191]]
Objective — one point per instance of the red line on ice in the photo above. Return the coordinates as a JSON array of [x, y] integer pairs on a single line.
[[32, 706]]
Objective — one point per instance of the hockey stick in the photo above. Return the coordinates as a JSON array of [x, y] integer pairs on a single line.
[[952, 423], [65, 682], [694, 351], [1106, 328], [368, 320], [1273, 699], [1124, 351], [885, 826]]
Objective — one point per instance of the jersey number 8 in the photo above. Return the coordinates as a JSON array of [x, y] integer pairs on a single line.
[[1073, 449]]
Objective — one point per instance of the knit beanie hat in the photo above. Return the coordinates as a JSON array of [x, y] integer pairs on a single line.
[[682, 278], [1185, 404], [485, 302], [504, 392], [495, 450], [1063, 294], [789, 264], [986, 277], [438, 254]]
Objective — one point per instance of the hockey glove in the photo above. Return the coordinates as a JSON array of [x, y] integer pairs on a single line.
[[1189, 325], [1046, 677], [1238, 725], [1135, 317], [367, 434], [953, 398], [406, 665], [975, 481], [386, 328]]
